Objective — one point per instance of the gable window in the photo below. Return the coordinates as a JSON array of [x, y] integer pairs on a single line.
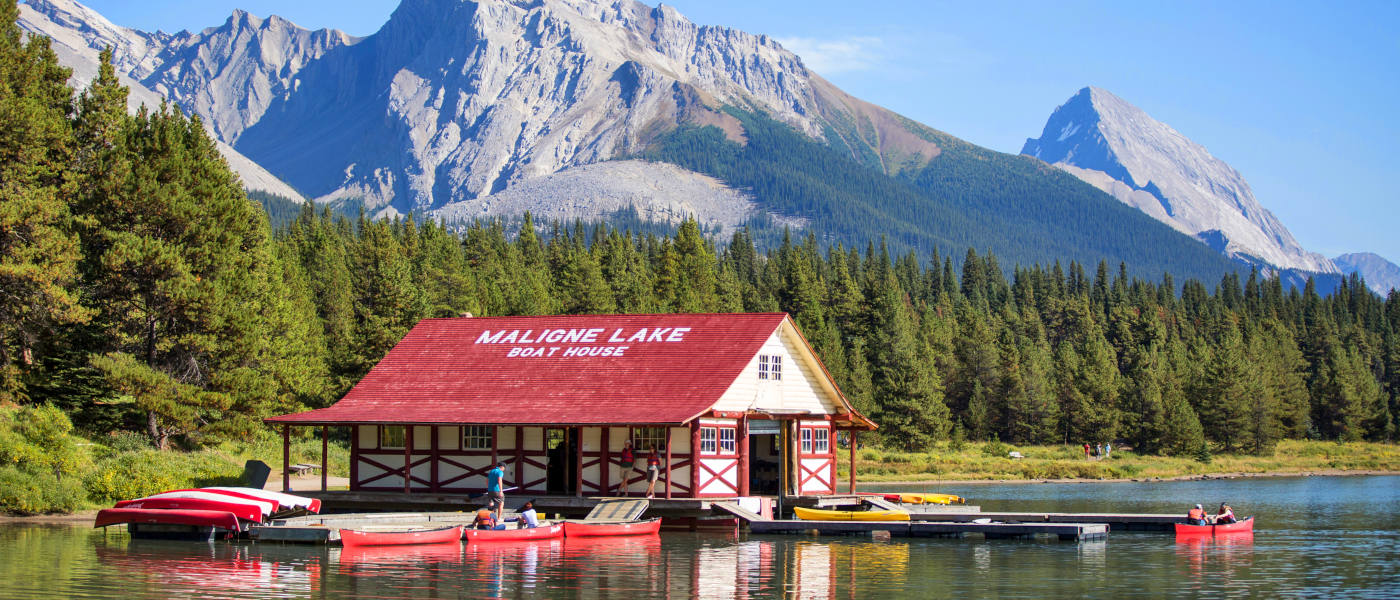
[[708, 440], [726, 441], [476, 437], [807, 440], [821, 442], [646, 438], [770, 366], [391, 437]]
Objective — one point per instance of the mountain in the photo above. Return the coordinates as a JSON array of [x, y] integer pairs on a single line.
[[1118, 148], [463, 108], [78, 34], [1381, 275]]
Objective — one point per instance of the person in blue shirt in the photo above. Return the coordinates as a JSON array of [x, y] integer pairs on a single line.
[[496, 497]]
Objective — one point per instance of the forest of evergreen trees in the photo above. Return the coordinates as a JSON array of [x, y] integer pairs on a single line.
[[142, 290]]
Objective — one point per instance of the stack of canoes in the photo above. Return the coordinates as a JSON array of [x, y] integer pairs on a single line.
[[355, 537], [227, 508]]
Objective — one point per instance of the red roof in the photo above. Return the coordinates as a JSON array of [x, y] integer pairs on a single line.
[[579, 370]]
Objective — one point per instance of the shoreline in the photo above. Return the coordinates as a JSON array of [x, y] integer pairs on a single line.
[[1198, 477]]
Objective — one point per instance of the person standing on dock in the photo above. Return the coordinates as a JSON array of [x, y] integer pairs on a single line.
[[628, 461], [653, 472], [496, 497]]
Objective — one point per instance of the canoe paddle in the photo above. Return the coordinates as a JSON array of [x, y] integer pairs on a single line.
[[483, 494]]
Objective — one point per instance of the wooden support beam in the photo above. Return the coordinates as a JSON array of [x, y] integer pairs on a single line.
[[743, 434], [605, 467], [694, 460], [519, 457], [578, 461], [286, 458], [407, 457], [668, 465], [325, 460], [852, 442]]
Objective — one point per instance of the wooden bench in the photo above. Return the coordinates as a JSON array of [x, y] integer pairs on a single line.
[[302, 468]]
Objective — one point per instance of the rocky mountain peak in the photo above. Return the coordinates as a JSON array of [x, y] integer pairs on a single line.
[[1145, 163]]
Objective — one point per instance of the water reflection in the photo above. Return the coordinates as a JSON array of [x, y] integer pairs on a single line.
[[1352, 549]]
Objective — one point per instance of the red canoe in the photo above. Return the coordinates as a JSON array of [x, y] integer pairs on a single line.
[[202, 518], [266, 506], [543, 532], [247, 512], [352, 537], [580, 529], [1239, 526]]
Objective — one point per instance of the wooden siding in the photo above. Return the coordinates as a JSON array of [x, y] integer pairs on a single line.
[[803, 387]]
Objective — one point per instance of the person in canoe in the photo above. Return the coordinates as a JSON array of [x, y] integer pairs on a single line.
[[1225, 515], [528, 519], [486, 519], [653, 472], [1196, 516]]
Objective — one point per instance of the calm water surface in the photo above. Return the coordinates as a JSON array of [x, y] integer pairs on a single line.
[[1321, 537]]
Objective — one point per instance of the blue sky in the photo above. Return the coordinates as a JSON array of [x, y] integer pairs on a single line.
[[1299, 97]]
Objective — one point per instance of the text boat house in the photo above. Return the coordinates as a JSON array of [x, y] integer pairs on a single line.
[[734, 404]]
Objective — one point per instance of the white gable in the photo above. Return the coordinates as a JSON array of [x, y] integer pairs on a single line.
[[804, 385]]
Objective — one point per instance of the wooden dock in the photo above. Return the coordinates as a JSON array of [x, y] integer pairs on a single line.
[[1115, 521], [1062, 531]]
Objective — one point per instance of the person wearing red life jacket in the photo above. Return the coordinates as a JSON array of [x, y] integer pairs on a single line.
[[653, 472], [628, 460], [1196, 516]]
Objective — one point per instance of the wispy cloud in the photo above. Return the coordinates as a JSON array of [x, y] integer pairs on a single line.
[[840, 55]]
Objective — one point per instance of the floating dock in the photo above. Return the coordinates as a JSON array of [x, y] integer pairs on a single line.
[[1062, 531], [1115, 521]]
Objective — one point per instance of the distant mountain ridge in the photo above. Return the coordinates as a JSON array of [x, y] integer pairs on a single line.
[[1120, 149], [1381, 275], [468, 108]]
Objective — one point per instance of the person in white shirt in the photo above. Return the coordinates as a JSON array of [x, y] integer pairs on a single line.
[[528, 518]]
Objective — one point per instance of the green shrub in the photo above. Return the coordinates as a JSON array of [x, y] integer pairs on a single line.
[[995, 448], [38, 493], [120, 442], [137, 474]]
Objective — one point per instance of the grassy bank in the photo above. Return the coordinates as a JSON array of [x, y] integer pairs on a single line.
[[989, 461], [47, 468]]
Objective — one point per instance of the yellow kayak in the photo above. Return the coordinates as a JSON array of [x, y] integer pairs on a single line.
[[925, 498], [817, 514]]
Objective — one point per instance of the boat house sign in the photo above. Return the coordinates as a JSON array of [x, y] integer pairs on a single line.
[[527, 344]]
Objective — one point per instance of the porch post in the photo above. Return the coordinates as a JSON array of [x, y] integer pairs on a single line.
[[669, 433], [578, 461], [407, 457], [520, 459], [286, 458], [853, 461], [325, 460], [695, 458], [743, 434], [605, 464]]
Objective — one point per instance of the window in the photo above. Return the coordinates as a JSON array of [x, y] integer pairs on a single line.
[[476, 437], [726, 441], [806, 440], [770, 367], [391, 436], [821, 443], [646, 438], [708, 443]]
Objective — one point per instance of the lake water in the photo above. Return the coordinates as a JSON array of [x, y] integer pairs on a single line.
[[1320, 537]]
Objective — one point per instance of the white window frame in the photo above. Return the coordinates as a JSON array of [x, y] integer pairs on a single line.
[[728, 443], [477, 437], [821, 440], [763, 366], [385, 443], [709, 440], [806, 434], [646, 438], [775, 367]]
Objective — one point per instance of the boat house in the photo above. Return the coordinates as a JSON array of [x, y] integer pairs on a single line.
[[733, 404]]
